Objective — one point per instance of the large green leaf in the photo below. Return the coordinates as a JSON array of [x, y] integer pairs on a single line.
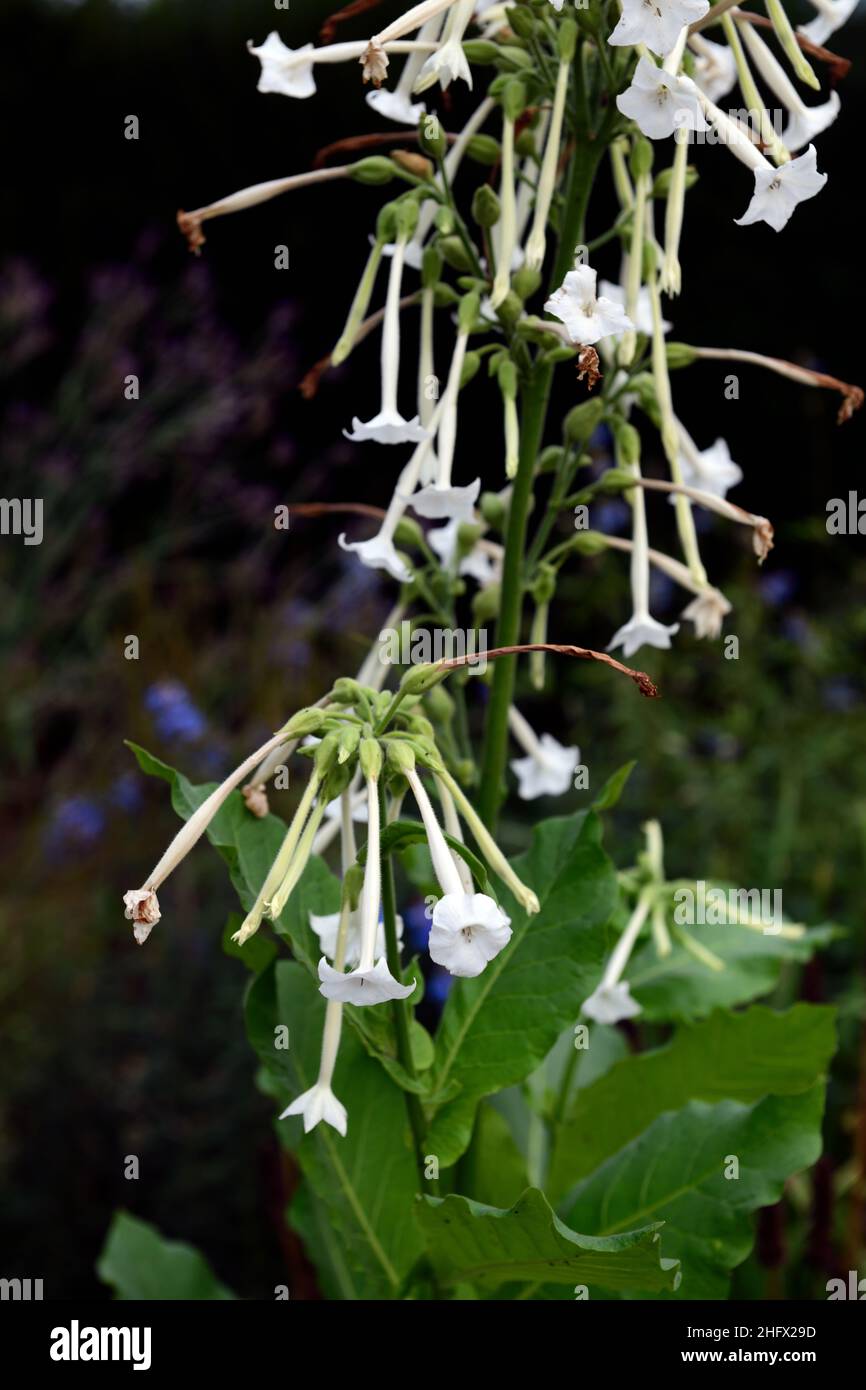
[[675, 1172], [476, 1244], [368, 1180], [139, 1263], [726, 1057], [497, 1028], [493, 1170]]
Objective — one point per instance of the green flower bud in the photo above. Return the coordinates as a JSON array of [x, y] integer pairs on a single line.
[[615, 480], [680, 355], [346, 691], [486, 208], [482, 148], [443, 295], [525, 281], [326, 753], [468, 535], [370, 754], [493, 509], [509, 310], [353, 882], [507, 374], [443, 220], [376, 169], [583, 420], [306, 721], [550, 458], [467, 313], [627, 443], [481, 52], [513, 98], [349, 737], [641, 160], [525, 144], [544, 584], [431, 267], [439, 704], [455, 253], [385, 223], [406, 218], [400, 756], [422, 677], [408, 532], [566, 40], [431, 136], [644, 388], [485, 604], [560, 354], [517, 59], [662, 185], [471, 363], [520, 21], [588, 542]]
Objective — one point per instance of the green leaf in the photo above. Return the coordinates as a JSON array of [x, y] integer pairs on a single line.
[[680, 987], [727, 1057], [497, 1028], [309, 1218], [256, 954], [367, 1181], [493, 1169], [139, 1263], [675, 1172], [613, 787], [478, 1244]]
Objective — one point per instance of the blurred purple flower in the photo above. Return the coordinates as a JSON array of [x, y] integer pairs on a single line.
[[76, 823], [611, 516], [778, 587], [174, 714]]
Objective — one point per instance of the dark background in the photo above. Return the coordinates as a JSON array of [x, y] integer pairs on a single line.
[[158, 522]]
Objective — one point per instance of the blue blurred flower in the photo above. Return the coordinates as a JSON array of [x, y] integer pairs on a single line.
[[174, 714], [778, 587], [438, 986], [76, 822], [612, 516], [126, 793], [840, 694], [416, 924]]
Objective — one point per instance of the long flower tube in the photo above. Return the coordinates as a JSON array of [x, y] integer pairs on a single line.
[[280, 867], [805, 121], [611, 1001], [141, 905], [440, 499], [537, 241], [190, 222], [508, 224]]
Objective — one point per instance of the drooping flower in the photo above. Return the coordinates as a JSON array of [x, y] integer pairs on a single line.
[[611, 1000], [805, 121], [707, 611], [478, 564], [379, 553], [656, 23], [389, 427], [327, 929], [548, 768], [778, 191], [319, 1103], [661, 102], [441, 499], [468, 929], [712, 470], [641, 629], [371, 982], [587, 318], [715, 66], [449, 64], [141, 906], [285, 70], [832, 14], [398, 105]]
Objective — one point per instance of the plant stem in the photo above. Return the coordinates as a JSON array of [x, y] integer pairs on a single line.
[[401, 1009], [534, 399]]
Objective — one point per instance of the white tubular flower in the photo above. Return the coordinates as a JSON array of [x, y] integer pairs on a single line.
[[478, 564], [656, 23], [398, 105], [643, 318], [468, 929], [320, 1103], [715, 67], [379, 553], [506, 238], [778, 191], [660, 103], [548, 768], [611, 1000], [327, 929], [455, 830], [641, 629], [707, 611], [285, 70], [670, 276], [371, 982], [711, 470], [805, 121], [448, 64], [537, 241], [588, 319], [488, 846], [389, 427], [441, 499], [140, 904], [832, 14], [190, 222]]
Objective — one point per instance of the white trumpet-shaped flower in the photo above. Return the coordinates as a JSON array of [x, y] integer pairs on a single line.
[[715, 66], [449, 64], [478, 564], [319, 1103], [371, 982], [832, 14], [398, 105], [659, 102], [379, 553], [707, 611], [288, 71], [641, 629], [656, 23], [389, 427], [712, 470], [468, 929], [779, 191], [327, 929], [587, 317], [548, 768], [441, 499], [467, 932], [805, 122], [611, 1000]]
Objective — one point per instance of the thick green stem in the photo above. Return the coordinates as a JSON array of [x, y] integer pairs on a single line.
[[534, 399], [401, 1009]]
